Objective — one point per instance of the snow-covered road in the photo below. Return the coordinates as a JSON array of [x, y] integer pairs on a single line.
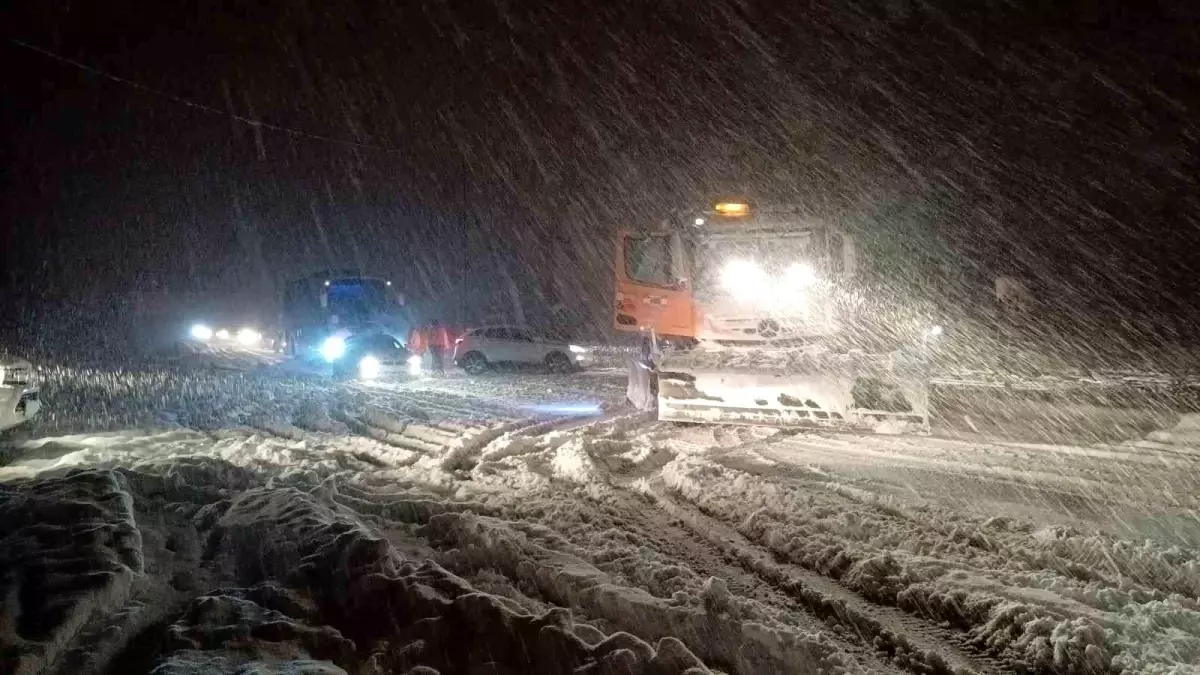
[[199, 520]]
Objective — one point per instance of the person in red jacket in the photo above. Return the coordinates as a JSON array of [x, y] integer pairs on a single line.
[[438, 343]]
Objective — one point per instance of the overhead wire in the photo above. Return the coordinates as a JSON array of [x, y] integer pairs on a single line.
[[193, 104]]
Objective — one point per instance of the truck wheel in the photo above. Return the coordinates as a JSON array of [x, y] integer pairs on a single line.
[[474, 363]]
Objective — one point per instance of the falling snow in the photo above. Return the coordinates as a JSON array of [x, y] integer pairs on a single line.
[[1019, 175]]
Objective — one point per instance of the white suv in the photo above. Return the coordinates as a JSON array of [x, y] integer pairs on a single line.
[[481, 348], [19, 401]]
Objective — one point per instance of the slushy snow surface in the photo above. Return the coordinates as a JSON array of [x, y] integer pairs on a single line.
[[200, 520]]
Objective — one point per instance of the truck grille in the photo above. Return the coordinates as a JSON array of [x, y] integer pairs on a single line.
[[17, 376]]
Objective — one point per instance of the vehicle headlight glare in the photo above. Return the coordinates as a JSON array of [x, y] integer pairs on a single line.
[[368, 368], [333, 348], [248, 337], [201, 332], [801, 274], [743, 278], [414, 365], [577, 349]]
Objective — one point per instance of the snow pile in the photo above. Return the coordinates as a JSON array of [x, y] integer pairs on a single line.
[[69, 551], [1185, 433], [262, 629], [429, 615], [783, 361], [283, 580], [1157, 637], [311, 455]]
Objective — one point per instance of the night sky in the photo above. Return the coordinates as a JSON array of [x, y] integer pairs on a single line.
[[477, 139]]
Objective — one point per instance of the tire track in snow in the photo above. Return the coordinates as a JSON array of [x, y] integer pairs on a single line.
[[707, 558], [913, 643], [1038, 603], [621, 533], [863, 627], [427, 401]]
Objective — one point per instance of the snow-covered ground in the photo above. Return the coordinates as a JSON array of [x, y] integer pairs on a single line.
[[255, 520]]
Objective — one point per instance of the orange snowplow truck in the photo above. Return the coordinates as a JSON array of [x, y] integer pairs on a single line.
[[729, 273], [740, 304]]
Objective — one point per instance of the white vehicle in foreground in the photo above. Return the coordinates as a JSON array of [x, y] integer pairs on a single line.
[[19, 402], [481, 348]]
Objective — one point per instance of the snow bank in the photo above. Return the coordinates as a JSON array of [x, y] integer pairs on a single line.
[[264, 557], [314, 589], [369, 590], [1185, 433], [69, 550]]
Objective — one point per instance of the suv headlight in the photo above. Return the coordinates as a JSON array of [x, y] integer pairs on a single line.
[[577, 349], [333, 348], [369, 367]]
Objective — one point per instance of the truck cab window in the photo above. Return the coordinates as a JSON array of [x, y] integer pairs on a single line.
[[648, 259]]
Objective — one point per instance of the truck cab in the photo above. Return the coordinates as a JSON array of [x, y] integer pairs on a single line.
[[732, 274]]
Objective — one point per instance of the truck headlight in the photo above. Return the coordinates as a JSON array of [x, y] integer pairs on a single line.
[[743, 279], [801, 274], [333, 348], [201, 332], [368, 368]]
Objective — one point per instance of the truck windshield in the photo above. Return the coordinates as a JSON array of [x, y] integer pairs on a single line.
[[357, 299]]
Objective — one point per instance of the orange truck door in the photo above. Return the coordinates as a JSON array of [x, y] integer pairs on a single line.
[[651, 290]]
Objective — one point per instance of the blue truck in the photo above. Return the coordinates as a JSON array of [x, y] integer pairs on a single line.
[[340, 302]]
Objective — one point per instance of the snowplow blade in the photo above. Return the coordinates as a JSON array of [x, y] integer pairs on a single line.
[[878, 393]]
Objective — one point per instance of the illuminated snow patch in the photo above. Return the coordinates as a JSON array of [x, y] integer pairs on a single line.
[[570, 409]]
